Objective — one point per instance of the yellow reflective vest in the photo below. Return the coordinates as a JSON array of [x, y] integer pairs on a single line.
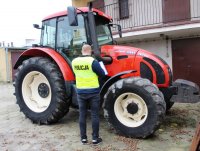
[[86, 78]]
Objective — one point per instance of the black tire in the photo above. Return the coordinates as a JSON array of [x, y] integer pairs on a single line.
[[59, 103], [168, 104], [152, 97], [167, 96]]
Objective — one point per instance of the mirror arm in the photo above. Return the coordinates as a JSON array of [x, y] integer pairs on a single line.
[[37, 26]]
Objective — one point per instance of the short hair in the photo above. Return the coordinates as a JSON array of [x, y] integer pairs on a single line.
[[86, 49]]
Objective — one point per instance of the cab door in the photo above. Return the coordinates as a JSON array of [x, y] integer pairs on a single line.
[[69, 39]]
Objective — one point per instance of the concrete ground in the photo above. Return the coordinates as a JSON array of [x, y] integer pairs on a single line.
[[18, 133]]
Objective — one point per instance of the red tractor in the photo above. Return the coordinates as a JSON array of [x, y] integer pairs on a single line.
[[135, 94]]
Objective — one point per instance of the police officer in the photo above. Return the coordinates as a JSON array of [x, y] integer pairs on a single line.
[[87, 70]]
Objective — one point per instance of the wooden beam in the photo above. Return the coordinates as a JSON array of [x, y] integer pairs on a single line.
[[196, 140]]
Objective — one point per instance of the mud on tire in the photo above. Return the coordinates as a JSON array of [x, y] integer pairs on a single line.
[[134, 107], [40, 91]]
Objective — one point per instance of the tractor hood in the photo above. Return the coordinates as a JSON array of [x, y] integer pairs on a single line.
[[123, 51], [145, 63]]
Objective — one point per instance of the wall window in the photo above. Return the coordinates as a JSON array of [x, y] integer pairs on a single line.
[[123, 9], [173, 11]]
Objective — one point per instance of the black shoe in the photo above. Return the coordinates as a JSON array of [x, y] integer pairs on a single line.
[[84, 141], [97, 141]]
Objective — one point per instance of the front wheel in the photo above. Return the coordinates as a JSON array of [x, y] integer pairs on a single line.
[[135, 107]]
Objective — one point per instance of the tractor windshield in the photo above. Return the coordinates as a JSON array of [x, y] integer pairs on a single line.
[[103, 31]]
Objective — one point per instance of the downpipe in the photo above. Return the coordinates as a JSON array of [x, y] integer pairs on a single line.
[[186, 92], [7, 66]]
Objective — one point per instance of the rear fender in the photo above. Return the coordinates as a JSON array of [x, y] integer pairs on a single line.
[[50, 53]]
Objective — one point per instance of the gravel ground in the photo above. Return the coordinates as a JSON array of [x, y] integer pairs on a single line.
[[19, 134]]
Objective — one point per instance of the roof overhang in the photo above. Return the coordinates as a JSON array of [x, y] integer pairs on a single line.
[[172, 32]]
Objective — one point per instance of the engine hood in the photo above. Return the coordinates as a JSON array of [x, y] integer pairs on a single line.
[[146, 64], [116, 50]]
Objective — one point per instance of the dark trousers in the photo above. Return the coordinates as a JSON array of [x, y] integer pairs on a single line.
[[94, 101]]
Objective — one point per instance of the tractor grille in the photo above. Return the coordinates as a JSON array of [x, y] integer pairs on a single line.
[[145, 72], [161, 59], [160, 76], [170, 76], [169, 70]]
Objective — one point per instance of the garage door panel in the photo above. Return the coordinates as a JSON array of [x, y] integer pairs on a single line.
[[186, 59]]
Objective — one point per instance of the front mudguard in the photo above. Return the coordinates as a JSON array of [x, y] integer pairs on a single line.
[[113, 79], [186, 92]]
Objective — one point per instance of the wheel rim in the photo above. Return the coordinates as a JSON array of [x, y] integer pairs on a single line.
[[130, 109], [36, 91]]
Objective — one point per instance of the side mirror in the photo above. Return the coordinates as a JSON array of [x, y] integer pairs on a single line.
[[120, 30], [72, 16], [36, 26]]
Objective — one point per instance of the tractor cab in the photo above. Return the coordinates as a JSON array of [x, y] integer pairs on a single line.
[[67, 39]]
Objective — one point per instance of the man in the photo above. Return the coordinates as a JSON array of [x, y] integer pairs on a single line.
[[87, 70]]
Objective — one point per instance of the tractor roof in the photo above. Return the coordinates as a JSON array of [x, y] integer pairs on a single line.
[[83, 9]]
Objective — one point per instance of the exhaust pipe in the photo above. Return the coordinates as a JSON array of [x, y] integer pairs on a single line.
[[93, 34]]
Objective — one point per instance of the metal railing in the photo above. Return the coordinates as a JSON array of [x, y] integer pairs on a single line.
[[145, 13]]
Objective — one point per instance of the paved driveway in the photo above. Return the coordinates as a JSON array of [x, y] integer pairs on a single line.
[[18, 133]]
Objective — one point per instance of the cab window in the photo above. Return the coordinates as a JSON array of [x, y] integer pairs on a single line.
[[48, 33]]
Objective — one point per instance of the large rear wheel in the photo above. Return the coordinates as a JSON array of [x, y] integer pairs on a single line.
[[135, 107], [40, 91]]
